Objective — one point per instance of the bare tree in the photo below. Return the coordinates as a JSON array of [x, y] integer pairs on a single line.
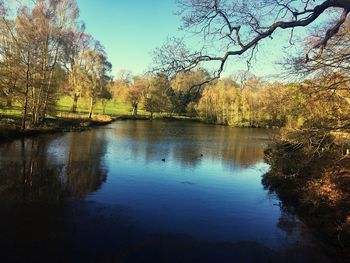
[[38, 34], [237, 27], [327, 74], [96, 68]]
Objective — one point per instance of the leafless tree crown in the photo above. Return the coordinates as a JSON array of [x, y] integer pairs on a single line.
[[240, 25]]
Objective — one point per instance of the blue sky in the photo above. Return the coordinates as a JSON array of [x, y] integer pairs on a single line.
[[131, 29]]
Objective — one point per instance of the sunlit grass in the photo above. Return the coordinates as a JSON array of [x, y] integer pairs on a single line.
[[113, 107], [15, 111], [64, 107], [63, 110]]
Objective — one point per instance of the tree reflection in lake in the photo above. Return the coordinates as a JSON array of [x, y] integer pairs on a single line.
[[187, 143], [85, 171], [189, 208], [41, 168]]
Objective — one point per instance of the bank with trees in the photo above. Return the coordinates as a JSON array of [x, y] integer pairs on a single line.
[[45, 53], [310, 161]]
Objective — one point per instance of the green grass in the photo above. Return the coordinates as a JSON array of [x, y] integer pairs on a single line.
[[64, 120], [64, 105], [12, 116], [15, 111], [113, 108]]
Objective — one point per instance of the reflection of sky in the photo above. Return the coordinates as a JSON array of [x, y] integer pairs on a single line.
[[217, 197], [208, 202], [89, 187]]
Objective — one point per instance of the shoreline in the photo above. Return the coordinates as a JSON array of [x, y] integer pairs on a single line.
[[188, 119], [77, 124], [157, 118], [12, 132], [317, 190], [56, 125]]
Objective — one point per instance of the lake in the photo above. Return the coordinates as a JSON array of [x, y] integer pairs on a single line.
[[143, 191]]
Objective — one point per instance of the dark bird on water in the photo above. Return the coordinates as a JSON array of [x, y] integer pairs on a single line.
[[202, 155], [163, 160]]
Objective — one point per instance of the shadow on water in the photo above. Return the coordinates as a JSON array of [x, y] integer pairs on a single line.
[[52, 168], [86, 232], [55, 199]]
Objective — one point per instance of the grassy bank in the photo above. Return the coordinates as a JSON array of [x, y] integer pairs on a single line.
[[317, 185], [10, 126], [64, 120], [64, 106]]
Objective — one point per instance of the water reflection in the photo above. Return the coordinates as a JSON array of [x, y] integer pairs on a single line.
[[52, 168], [186, 144], [85, 171], [204, 203]]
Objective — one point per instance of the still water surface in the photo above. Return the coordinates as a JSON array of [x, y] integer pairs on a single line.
[[139, 191]]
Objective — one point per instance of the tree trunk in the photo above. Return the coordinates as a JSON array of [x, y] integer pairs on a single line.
[[134, 110], [23, 127], [91, 107], [52, 71], [75, 103], [104, 105], [9, 102]]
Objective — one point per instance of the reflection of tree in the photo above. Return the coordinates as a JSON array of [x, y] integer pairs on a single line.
[[85, 171], [185, 142], [296, 239], [25, 172], [288, 222], [39, 169], [242, 147]]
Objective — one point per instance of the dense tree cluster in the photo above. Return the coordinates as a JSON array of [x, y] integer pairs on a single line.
[[294, 105], [247, 102], [44, 53], [320, 98]]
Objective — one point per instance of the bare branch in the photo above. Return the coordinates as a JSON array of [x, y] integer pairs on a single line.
[[245, 24]]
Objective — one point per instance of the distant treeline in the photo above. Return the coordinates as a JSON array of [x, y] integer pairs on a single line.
[[46, 54], [231, 101]]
